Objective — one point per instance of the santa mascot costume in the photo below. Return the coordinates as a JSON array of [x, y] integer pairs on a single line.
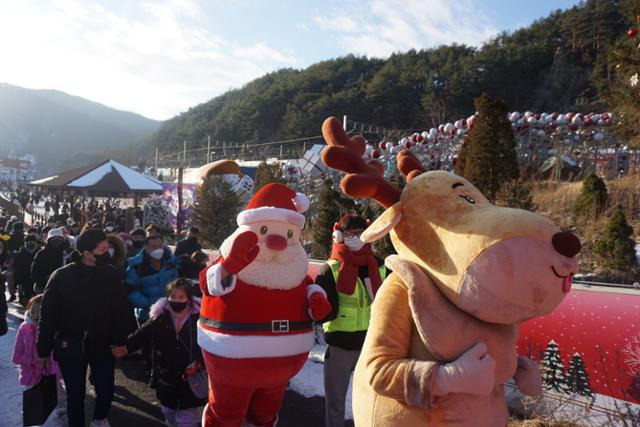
[[258, 308]]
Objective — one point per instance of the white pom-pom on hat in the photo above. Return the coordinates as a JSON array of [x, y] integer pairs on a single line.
[[301, 202]]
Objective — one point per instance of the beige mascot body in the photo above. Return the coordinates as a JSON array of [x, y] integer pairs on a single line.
[[444, 325]]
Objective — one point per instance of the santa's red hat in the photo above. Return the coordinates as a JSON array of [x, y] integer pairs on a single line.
[[275, 202]]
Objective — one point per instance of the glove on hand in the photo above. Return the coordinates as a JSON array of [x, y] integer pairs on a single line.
[[528, 378], [244, 250], [473, 373], [319, 306]]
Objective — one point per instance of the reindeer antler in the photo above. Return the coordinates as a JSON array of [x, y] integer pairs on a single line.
[[409, 165], [364, 179]]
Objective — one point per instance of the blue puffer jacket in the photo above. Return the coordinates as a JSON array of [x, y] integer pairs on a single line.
[[145, 284]]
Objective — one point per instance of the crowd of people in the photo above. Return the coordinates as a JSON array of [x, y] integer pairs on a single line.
[[99, 293], [91, 293]]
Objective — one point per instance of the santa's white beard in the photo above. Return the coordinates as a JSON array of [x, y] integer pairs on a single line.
[[271, 269]]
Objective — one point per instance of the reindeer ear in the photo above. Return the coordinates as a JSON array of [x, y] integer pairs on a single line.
[[383, 225]]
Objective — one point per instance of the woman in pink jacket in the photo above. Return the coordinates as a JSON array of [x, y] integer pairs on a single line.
[[26, 356]]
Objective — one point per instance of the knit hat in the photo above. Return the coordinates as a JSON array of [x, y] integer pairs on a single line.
[[89, 239], [275, 202]]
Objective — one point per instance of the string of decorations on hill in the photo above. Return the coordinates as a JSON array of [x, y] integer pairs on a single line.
[[574, 137]]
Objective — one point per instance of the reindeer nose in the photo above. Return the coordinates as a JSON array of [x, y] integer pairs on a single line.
[[566, 243], [276, 242]]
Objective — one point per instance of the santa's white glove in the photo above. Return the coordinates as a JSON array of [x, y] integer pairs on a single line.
[[528, 378], [473, 373]]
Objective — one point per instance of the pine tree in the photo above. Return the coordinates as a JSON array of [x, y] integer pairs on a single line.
[[516, 194], [327, 214], [577, 377], [616, 250], [592, 200], [215, 210], [267, 173], [553, 369], [488, 156], [624, 91]]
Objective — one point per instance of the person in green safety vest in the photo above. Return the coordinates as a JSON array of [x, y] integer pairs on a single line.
[[351, 277]]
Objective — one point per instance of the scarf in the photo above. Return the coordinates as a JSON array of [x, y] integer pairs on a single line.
[[350, 262]]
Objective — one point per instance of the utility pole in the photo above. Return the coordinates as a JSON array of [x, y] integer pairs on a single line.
[[184, 152], [344, 122], [156, 162], [208, 149], [224, 150]]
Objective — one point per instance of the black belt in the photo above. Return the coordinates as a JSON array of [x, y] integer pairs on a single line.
[[273, 326]]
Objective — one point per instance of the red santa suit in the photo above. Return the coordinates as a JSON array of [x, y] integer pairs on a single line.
[[254, 339]]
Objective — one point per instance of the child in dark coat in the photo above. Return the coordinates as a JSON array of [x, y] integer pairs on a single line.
[[172, 329]]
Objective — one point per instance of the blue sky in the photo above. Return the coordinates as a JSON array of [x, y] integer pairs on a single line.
[[160, 57]]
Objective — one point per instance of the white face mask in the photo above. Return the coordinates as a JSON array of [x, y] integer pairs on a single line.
[[111, 252], [354, 243], [157, 253]]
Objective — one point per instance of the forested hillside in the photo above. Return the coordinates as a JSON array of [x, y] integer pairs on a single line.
[[61, 130], [559, 63]]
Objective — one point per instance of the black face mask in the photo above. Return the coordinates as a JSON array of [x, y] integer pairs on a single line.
[[138, 244], [31, 247], [177, 306], [56, 244], [102, 260]]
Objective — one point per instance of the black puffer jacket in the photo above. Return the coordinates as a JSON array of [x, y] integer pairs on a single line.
[[22, 267], [46, 261], [187, 247], [81, 299], [172, 354]]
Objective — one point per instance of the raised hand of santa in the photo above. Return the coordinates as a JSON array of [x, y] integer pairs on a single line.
[[244, 250]]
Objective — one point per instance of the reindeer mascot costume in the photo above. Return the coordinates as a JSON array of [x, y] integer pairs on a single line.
[[258, 304], [444, 325]]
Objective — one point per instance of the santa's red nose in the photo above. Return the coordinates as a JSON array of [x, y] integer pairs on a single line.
[[276, 242]]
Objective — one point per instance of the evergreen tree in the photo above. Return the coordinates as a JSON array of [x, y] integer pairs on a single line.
[[577, 377], [623, 90], [516, 194], [215, 211], [553, 370], [592, 200], [267, 173], [488, 156], [616, 250], [327, 214]]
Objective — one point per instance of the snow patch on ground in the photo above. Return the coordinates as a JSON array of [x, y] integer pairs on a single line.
[[310, 380], [11, 408]]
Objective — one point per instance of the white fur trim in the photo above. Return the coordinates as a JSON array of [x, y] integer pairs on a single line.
[[268, 213], [313, 288], [337, 236], [250, 346], [301, 202], [214, 282]]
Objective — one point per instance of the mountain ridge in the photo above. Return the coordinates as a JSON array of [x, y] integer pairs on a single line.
[[57, 127]]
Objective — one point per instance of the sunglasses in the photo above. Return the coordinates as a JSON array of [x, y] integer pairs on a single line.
[[353, 233]]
